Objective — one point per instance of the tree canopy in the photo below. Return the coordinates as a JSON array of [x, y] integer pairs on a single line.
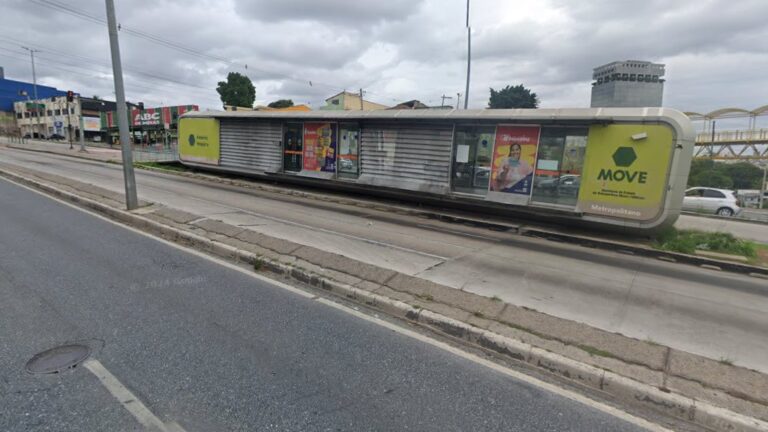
[[237, 90], [513, 97], [740, 175], [281, 103]]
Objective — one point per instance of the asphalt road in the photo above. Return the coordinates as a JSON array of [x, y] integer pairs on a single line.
[[706, 312], [211, 348]]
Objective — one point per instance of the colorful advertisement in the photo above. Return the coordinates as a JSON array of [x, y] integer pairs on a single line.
[[199, 140], [625, 171], [320, 147], [514, 156]]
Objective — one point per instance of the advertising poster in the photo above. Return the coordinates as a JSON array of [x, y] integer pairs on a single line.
[[514, 156], [199, 140], [623, 177], [320, 147]]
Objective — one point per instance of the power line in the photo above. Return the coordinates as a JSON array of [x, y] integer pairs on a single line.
[[55, 5]]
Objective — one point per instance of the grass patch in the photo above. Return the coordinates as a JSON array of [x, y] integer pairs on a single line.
[[478, 314], [595, 351], [726, 361], [258, 264], [688, 241], [496, 298], [427, 297], [167, 166]]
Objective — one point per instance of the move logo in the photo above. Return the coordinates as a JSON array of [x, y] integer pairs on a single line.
[[191, 139], [623, 157]]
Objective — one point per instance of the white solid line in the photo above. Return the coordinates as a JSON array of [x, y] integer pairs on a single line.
[[128, 400], [401, 330]]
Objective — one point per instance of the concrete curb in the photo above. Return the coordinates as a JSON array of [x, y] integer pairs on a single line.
[[725, 218], [591, 242], [624, 389], [710, 263]]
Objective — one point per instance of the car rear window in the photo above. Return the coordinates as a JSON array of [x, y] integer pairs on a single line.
[[711, 193]]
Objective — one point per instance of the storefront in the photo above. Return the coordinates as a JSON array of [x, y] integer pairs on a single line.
[[150, 126]]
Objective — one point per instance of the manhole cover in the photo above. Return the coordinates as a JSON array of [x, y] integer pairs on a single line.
[[58, 359]]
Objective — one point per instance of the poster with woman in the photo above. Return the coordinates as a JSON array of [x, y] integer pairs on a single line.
[[320, 147], [514, 156]]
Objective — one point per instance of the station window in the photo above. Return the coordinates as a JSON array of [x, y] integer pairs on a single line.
[[473, 151], [349, 150], [293, 146], [559, 163]]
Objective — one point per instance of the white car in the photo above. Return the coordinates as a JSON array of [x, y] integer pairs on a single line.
[[721, 202]]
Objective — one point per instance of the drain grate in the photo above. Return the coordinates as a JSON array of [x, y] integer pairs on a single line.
[[58, 359]]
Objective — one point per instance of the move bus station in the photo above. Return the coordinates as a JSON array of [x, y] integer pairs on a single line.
[[620, 167]]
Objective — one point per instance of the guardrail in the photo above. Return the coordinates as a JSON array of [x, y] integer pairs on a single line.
[[745, 136]]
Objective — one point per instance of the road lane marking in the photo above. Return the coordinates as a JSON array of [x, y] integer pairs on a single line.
[[128, 400], [610, 410]]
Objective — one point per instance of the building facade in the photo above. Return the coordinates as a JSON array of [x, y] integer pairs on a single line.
[[630, 83], [12, 91], [54, 117], [347, 101]]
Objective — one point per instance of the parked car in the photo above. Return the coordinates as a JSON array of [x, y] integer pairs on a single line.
[[566, 184], [35, 135], [722, 202], [56, 137]]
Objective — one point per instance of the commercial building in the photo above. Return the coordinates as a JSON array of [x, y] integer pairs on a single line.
[[56, 117], [630, 83], [347, 101], [12, 91], [148, 126]]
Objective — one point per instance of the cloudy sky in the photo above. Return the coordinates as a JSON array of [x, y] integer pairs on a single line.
[[174, 52]]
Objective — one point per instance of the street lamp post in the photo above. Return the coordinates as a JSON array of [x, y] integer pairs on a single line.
[[34, 88], [469, 58]]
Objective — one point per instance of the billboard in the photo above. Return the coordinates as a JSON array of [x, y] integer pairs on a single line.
[[199, 140], [625, 171], [92, 124], [319, 152], [514, 156]]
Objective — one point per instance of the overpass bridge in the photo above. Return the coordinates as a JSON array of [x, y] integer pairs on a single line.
[[750, 144]]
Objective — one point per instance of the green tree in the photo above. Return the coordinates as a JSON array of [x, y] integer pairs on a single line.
[[714, 179], [744, 175], [281, 103], [513, 97], [237, 90]]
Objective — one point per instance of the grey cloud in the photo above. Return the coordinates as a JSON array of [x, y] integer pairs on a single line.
[[344, 12]]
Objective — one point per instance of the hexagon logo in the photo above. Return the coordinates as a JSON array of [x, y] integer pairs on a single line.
[[624, 156], [191, 139]]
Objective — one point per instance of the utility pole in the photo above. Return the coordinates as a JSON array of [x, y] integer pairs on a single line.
[[762, 185], [469, 58], [131, 199], [34, 87], [443, 98], [712, 144], [458, 100], [361, 99], [82, 122], [69, 126]]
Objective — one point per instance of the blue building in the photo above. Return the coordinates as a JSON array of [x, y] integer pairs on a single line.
[[10, 89]]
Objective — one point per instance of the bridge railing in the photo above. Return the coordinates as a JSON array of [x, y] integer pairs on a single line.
[[756, 135]]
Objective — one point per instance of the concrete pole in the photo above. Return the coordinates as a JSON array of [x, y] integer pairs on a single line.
[[131, 199], [34, 88], [469, 58], [82, 123], [762, 185]]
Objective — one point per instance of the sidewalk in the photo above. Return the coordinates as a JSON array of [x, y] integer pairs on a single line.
[[629, 369], [99, 152]]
